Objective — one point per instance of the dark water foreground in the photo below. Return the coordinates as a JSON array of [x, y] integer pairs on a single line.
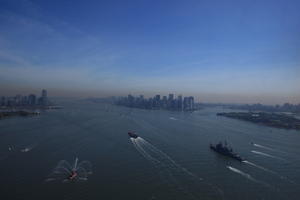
[[171, 159]]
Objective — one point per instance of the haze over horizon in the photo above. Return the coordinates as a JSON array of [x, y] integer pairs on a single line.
[[217, 51]]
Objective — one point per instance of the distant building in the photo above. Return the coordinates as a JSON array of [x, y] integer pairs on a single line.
[[24, 100], [31, 99], [3, 101], [44, 99], [165, 98], [185, 103], [191, 103], [179, 102], [18, 99], [171, 101], [157, 97], [130, 100], [171, 97], [157, 101], [164, 102]]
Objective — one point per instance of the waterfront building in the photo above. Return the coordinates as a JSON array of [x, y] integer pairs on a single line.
[[3, 101], [171, 97], [179, 102], [157, 97], [164, 102], [191, 103], [24, 100], [157, 101], [185, 103], [171, 101], [44, 93], [18, 99], [44, 100], [31, 99], [150, 104]]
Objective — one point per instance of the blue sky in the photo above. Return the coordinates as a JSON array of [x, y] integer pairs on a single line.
[[218, 51]]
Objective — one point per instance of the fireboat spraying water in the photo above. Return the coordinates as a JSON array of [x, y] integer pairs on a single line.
[[65, 172], [74, 174]]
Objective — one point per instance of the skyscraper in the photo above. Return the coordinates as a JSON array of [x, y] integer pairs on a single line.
[[171, 97], [130, 100], [170, 101], [44, 100], [185, 103], [157, 97], [31, 99], [164, 102], [191, 103], [179, 106], [44, 93]]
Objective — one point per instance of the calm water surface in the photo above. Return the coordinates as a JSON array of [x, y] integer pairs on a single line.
[[171, 159]]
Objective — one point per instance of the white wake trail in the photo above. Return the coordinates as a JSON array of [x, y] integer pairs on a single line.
[[268, 170], [162, 167], [175, 165], [267, 155], [143, 152], [169, 166], [259, 167], [263, 147], [241, 173], [248, 176], [267, 148], [166, 157]]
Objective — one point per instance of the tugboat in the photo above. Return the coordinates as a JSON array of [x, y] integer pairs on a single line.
[[133, 135], [226, 151]]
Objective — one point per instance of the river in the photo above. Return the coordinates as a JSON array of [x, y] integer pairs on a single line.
[[170, 160]]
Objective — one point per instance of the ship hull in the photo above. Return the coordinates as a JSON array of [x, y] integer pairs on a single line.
[[133, 135], [234, 156]]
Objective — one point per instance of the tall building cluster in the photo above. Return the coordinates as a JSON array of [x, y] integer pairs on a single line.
[[166, 102], [30, 100]]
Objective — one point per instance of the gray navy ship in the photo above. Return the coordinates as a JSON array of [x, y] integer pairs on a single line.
[[225, 150]]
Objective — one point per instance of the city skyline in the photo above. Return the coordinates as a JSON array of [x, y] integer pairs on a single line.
[[218, 52], [167, 102], [25, 100]]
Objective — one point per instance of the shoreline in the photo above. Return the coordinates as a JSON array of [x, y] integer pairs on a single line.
[[267, 119]]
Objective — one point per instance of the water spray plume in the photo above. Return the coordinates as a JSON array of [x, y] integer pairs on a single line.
[[65, 172]]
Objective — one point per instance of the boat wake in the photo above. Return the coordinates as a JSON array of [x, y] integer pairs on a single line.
[[172, 172], [141, 150], [267, 148], [29, 148], [259, 167], [172, 118], [268, 170], [63, 171], [248, 176], [267, 155], [165, 157]]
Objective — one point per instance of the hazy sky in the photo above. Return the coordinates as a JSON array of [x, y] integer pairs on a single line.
[[216, 50]]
